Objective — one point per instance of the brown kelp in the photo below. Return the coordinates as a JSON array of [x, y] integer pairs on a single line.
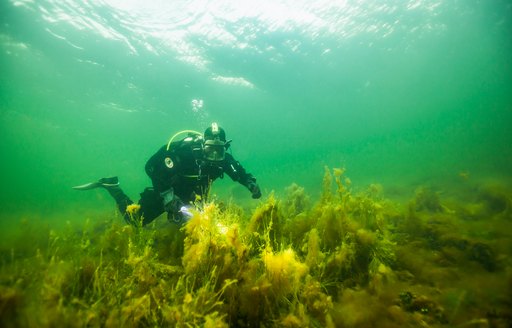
[[350, 259]]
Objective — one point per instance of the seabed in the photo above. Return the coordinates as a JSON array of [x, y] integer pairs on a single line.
[[345, 260]]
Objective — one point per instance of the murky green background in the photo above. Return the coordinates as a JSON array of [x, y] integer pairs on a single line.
[[402, 93]]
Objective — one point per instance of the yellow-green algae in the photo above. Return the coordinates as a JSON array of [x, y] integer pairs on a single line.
[[349, 260]]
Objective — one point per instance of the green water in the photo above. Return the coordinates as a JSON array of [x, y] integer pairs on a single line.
[[398, 92]]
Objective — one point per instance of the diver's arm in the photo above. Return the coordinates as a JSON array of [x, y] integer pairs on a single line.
[[161, 169], [236, 172], [155, 169]]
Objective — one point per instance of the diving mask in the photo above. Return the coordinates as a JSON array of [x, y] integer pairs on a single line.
[[214, 150]]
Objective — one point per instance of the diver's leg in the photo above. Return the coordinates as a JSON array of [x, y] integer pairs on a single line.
[[111, 184], [122, 200], [151, 205]]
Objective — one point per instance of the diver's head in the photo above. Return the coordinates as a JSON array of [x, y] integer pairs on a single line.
[[214, 143]]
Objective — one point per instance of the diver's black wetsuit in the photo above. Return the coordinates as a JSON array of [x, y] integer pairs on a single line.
[[182, 171]]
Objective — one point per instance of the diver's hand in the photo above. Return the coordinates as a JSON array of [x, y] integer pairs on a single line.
[[180, 214], [185, 212], [255, 190]]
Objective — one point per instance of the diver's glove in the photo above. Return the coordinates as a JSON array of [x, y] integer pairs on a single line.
[[180, 214], [254, 189], [176, 209], [185, 212]]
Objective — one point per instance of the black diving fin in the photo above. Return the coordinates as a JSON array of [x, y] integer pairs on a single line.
[[103, 182]]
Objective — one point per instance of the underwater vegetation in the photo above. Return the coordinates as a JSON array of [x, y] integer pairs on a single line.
[[350, 259]]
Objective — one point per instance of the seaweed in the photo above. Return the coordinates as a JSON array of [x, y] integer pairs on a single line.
[[350, 259]]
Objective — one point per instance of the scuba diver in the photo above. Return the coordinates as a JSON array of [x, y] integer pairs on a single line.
[[182, 173]]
